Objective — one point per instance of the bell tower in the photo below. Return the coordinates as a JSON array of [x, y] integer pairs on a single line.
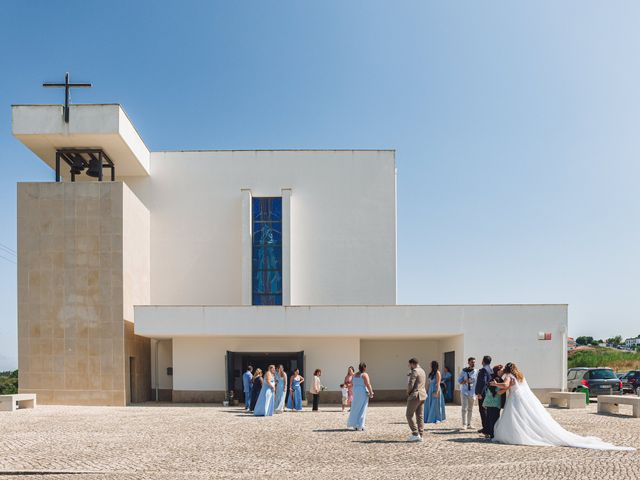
[[83, 258]]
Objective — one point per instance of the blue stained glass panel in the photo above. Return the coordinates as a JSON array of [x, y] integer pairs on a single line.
[[267, 299], [267, 281], [267, 250], [267, 209], [267, 233], [267, 258]]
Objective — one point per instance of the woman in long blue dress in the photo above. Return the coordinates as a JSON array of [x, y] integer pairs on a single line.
[[362, 392], [256, 388], [265, 403], [295, 392], [434, 405], [447, 379], [281, 389]]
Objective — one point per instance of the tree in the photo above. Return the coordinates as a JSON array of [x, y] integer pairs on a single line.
[[617, 340], [8, 382], [584, 340]]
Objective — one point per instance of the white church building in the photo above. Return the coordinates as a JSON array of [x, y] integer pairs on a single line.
[[159, 275]]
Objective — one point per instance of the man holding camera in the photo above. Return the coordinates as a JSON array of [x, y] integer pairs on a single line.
[[467, 380]]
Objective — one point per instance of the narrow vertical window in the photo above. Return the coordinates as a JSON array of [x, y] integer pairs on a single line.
[[266, 217]]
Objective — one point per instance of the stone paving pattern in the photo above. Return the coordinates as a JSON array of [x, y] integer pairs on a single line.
[[194, 442]]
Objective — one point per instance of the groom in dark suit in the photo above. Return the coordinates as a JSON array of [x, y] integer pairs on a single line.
[[484, 377]]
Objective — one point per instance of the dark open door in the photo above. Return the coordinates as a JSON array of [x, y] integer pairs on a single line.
[[237, 362]]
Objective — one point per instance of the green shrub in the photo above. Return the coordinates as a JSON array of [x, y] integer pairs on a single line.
[[8, 382]]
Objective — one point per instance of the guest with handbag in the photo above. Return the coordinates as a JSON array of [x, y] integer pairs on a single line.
[[493, 402]]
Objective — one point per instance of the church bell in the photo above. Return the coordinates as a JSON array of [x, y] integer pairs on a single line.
[[78, 165], [95, 168]]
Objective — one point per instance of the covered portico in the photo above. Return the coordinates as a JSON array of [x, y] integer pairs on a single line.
[[334, 337]]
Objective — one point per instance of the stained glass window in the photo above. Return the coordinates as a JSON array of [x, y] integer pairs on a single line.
[[266, 215]]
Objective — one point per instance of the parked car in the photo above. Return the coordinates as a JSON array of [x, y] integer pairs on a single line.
[[631, 381], [599, 380], [621, 375]]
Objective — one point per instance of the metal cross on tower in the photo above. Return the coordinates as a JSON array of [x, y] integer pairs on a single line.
[[66, 86]]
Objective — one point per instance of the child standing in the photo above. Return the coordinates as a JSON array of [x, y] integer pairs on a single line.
[[345, 396]]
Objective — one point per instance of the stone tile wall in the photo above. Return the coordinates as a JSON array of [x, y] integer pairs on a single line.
[[70, 292]]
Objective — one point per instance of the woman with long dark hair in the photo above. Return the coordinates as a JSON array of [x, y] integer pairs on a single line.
[[362, 392], [294, 403], [434, 411], [255, 390]]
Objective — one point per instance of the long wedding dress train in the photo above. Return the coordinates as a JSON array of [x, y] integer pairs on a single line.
[[525, 421]]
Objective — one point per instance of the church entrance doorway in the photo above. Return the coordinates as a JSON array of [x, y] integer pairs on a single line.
[[237, 363]]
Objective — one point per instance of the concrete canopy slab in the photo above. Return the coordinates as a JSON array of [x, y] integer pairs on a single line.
[[370, 321], [42, 129]]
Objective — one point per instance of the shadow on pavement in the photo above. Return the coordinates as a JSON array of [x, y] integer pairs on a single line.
[[379, 441], [469, 440], [333, 430], [453, 431]]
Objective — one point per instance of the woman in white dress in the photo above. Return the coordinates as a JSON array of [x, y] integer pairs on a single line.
[[525, 421]]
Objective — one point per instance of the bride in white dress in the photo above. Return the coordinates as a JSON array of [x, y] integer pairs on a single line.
[[525, 421]]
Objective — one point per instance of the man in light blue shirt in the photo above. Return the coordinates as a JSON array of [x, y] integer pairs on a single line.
[[247, 386], [467, 380]]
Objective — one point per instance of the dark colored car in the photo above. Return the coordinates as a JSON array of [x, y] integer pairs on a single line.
[[631, 381], [598, 380]]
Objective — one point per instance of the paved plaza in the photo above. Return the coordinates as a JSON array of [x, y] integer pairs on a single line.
[[193, 442]]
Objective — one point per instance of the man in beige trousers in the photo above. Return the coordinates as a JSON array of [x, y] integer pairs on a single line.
[[416, 395]]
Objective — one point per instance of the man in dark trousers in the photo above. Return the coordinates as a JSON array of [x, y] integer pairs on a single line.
[[484, 377]]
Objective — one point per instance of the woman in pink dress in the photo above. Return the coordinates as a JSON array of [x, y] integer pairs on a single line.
[[348, 382]]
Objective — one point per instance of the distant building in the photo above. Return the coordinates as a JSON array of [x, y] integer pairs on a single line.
[[632, 342], [571, 344]]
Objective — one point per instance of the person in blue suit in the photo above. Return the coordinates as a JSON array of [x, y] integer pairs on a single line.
[[247, 378]]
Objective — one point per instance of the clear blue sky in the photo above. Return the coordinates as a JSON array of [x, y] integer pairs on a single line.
[[516, 124]]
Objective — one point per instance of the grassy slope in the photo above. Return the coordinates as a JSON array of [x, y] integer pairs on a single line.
[[605, 357]]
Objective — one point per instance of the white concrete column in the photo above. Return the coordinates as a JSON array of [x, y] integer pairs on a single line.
[[564, 358], [246, 246], [286, 246]]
